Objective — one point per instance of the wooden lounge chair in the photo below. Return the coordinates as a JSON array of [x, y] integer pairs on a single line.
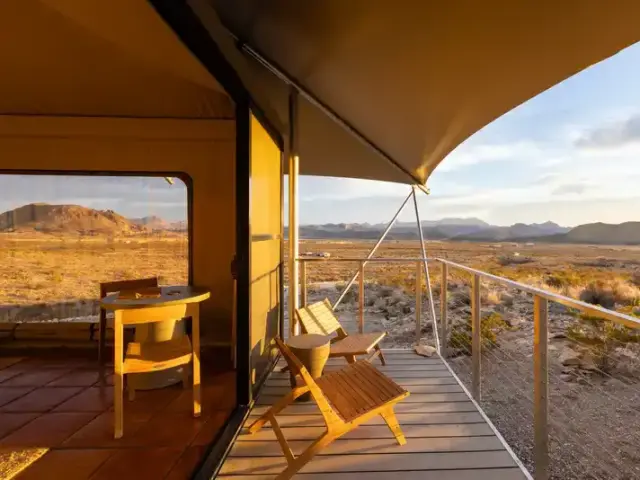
[[112, 287], [346, 398], [319, 318]]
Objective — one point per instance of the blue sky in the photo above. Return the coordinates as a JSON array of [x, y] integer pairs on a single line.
[[570, 155]]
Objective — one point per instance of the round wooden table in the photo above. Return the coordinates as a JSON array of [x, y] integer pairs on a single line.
[[313, 351], [157, 331]]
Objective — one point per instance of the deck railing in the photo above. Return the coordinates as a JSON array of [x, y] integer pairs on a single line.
[[442, 330]]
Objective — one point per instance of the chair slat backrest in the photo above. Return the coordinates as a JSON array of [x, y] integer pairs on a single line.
[[318, 318]]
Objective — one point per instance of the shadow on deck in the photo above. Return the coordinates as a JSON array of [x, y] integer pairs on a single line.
[[447, 437]]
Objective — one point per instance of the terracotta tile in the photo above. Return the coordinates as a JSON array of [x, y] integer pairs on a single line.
[[152, 401], [187, 463], [8, 361], [138, 464], [93, 399], [41, 399], [99, 432], [12, 421], [166, 430], [10, 372], [48, 430], [211, 428], [8, 394], [66, 464], [34, 378], [76, 378]]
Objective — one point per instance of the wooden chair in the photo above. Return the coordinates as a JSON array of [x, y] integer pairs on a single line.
[[346, 398], [151, 356], [319, 318], [111, 287]]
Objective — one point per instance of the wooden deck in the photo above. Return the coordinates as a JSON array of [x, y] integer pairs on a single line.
[[447, 437]]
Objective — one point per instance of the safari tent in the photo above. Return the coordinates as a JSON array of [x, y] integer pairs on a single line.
[[231, 96]]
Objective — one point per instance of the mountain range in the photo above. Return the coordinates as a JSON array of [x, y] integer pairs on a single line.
[[67, 219], [476, 230], [75, 219]]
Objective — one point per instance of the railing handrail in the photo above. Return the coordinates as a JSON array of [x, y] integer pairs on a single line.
[[588, 308]]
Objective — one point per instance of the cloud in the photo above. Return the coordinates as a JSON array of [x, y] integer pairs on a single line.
[[612, 135], [471, 154], [570, 188]]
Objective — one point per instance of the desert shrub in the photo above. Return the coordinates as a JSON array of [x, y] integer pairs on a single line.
[[601, 337], [490, 326], [607, 294], [563, 279], [510, 259], [635, 278]]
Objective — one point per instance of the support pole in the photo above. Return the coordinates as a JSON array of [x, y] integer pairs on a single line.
[[373, 250], [444, 335], [432, 309], [418, 302], [361, 299], [303, 282], [540, 388], [293, 210], [476, 339]]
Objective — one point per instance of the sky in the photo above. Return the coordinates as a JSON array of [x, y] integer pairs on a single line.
[[570, 155]]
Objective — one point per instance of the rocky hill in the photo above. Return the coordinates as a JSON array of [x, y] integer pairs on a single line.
[[75, 219]]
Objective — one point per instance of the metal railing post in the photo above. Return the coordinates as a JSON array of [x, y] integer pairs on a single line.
[[540, 388], [476, 339], [361, 299], [418, 302], [303, 283], [444, 334]]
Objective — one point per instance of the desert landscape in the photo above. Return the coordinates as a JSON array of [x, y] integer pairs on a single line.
[[55, 256]]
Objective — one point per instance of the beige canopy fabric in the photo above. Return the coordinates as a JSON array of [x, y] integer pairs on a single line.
[[416, 78], [100, 58]]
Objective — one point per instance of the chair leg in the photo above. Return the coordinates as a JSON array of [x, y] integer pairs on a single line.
[[195, 344], [277, 407], [382, 359], [101, 340], [306, 456], [390, 419], [118, 377]]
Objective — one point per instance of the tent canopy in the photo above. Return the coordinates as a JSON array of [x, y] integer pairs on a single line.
[[94, 58], [412, 79], [415, 78]]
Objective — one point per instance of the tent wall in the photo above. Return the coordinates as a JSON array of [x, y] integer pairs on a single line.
[[201, 150], [266, 248]]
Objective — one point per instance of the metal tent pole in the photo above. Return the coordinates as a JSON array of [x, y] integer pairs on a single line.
[[294, 161], [432, 309], [373, 250]]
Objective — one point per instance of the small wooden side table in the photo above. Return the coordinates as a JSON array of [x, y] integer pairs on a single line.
[[313, 351]]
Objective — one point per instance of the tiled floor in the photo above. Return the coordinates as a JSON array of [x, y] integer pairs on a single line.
[[61, 404]]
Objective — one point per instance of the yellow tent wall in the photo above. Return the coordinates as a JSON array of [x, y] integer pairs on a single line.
[[203, 150]]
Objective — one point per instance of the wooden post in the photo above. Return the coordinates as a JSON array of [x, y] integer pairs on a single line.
[[303, 283], [540, 388], [476, 340], [444, 334], [361, 299], [418, 302]]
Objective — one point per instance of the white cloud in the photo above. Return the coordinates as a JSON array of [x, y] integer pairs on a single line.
[[470, 154]]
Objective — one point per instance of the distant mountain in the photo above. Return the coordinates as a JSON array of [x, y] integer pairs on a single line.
[[627, 233], [152, 222], [514, 232], [45, 218]]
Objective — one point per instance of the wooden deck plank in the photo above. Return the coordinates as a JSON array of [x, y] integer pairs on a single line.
[[451, 418], [307, 408], [447, 437], [474, 474], [377, 446], [389, 462], [378, 431]]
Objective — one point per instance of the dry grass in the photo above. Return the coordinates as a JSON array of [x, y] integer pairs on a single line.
[[45, 270]]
